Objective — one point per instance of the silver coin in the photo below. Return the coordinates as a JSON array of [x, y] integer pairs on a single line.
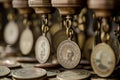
[[4, 71], [52, 73], [11, 32], [26, 41], [68, 54], [103, 60], [73, 75], [29, 73], [42, 49], [53, 79]]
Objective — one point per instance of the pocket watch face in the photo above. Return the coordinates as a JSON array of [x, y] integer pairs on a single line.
[[68, 54], [26, 41], [103, 60], [42, 49], [11, 32]]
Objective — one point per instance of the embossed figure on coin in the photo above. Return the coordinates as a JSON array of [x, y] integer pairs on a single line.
[[104, 61], [70, 55], [42, 54]]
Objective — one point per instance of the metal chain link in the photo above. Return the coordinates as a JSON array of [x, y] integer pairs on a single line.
[[68, 24], [105, 29], [45, 27]]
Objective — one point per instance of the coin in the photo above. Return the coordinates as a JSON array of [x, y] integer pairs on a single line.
[[88, 48], [73, 75], [57, 40], [103, 60], [26, 59], [52, 73], [53, 79], [29, 73], [11, 32], [42, 49], [68, 54], [104, 79], [4, 71], [10, 64], [55, 28], [81, 39], [26, 41]]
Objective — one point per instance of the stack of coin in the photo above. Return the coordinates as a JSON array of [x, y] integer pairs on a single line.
[[74, 75], [29, 74], [4, 71]]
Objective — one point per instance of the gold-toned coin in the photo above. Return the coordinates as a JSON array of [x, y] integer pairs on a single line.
[[103, 60], [58, 38], [26, 41], [114, 43], [4, 71], [26, 59], [42, 49], [74, 75], [55, 28], [52, 73], [29, 73], [81, 39], [11, 32], [88, 47], [68, 54]]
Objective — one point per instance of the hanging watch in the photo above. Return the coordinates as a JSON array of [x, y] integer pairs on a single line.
[[42, 47], [68, 52], [26, 41]]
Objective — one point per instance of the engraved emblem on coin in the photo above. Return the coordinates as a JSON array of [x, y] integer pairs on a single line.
[[11, 32], [26, 41], [68, 54], [103, 60], [42, 49]]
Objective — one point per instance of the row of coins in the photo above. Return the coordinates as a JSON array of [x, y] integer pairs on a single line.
[[31, 73]]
